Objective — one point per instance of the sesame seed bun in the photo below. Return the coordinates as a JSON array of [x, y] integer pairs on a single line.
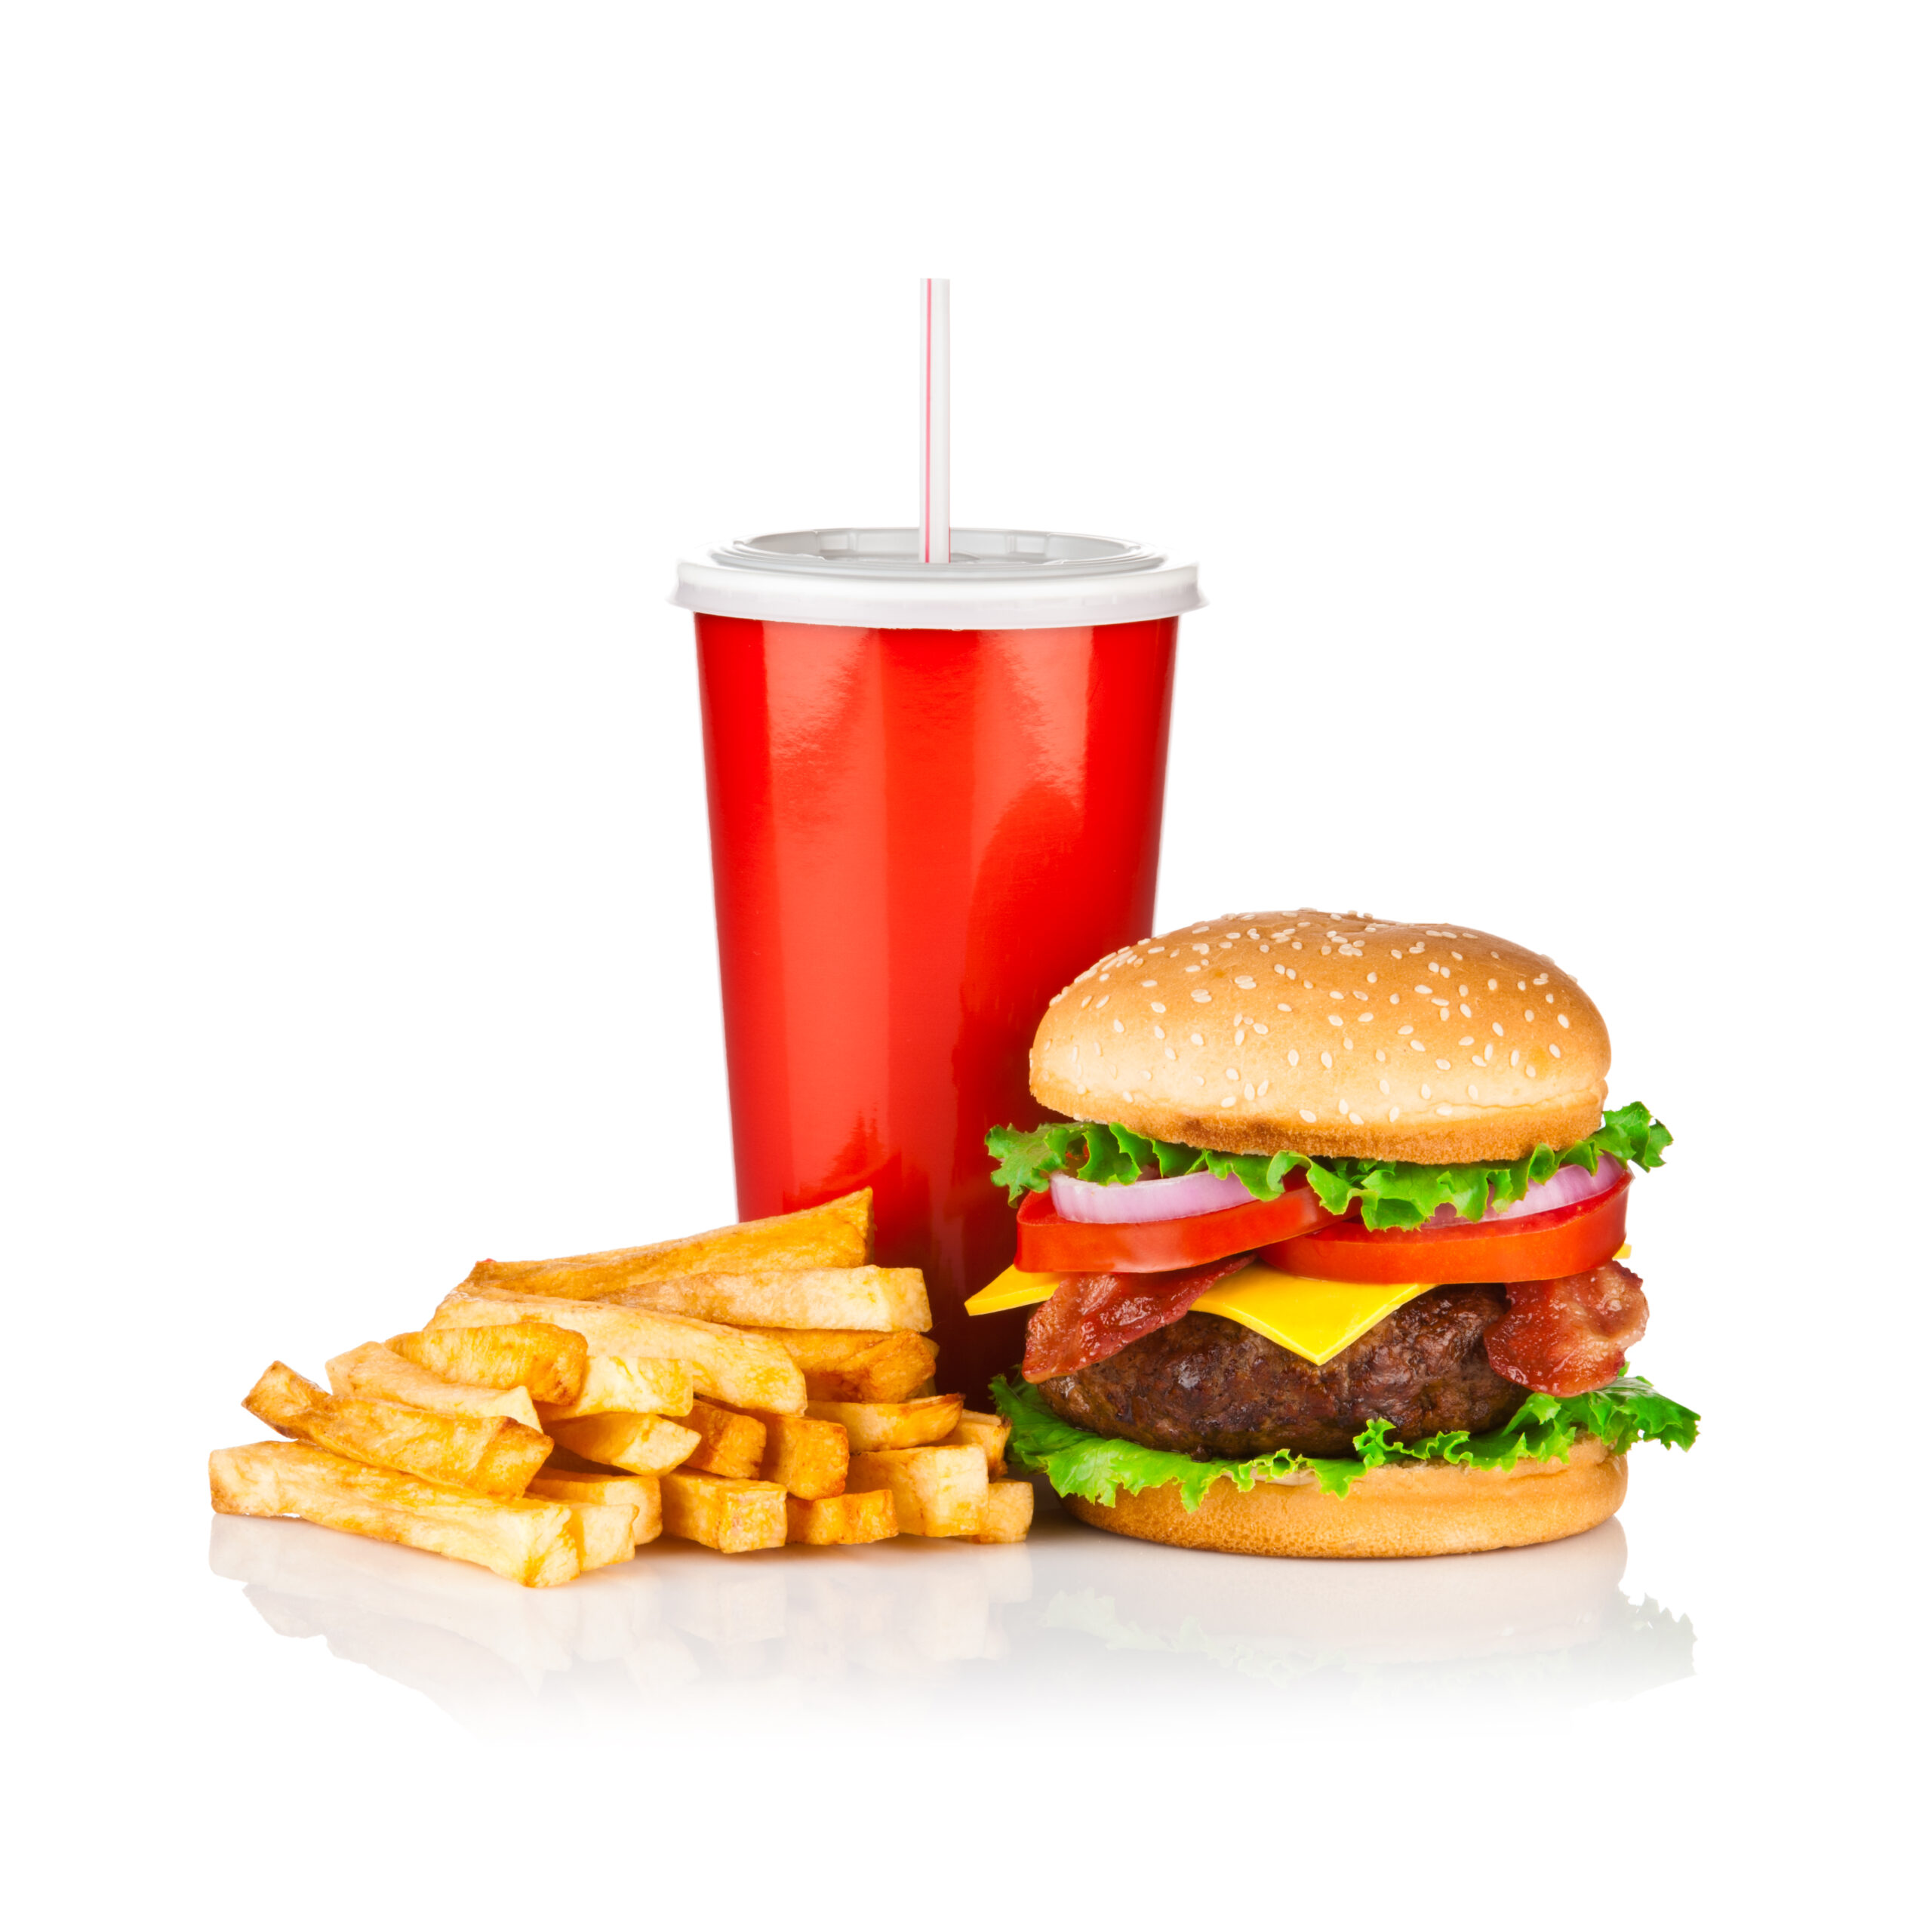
[[1427, 1509], [1328, 1034]]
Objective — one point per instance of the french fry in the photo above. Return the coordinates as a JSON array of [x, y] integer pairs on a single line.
[[1007, 1515], [741, 1368], [645, 1445], [621, 1383], [491, 1455], [854, 1365], [531, 1542], [858, 1516], [893, 1425], [639, 1493], [729, 1444], [722, 1514], [806, 1456], [936, 1491], [876, 1299], [604, 1532], [539, 1356], [378, 1374], [838, 1234], [990, 1432]]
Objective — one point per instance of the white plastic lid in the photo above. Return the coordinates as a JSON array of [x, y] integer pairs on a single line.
[[998, 579]]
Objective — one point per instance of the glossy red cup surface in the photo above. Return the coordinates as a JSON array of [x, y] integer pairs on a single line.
[[917, 837]]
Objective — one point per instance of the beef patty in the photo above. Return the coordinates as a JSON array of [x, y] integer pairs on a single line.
[[1206, 1386]]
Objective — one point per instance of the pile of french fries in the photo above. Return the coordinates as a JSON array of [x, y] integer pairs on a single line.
[[759, 1385]]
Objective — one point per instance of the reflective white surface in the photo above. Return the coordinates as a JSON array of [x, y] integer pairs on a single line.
[[917, 1628]]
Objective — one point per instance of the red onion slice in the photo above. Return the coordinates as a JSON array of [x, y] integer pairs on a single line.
[[1177, 1199], [1564, 1188]]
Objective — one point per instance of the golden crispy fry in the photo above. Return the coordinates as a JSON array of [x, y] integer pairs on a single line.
[[806, 1455], [735, 1366], [605, 1532], [380, 1374], [854, 1365], [876, 1299], [491, 1455], [622, 1383], [723, 1515], [529, 1542], [990, 1432], [893, 1425], [537, 1356], [936, 1492], [838, 1234], [640, 1494], [1008, 1513], [646, 1445], [859, 1516], [730, 1444]]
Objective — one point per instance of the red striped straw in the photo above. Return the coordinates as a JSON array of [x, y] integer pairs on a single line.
[[935, 420]]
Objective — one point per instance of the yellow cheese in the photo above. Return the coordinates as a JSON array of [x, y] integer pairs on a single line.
[[1015, 1289], [1317, 1320]]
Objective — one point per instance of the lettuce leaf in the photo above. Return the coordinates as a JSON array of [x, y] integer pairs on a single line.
[[1077, 1462], [1393, 1194]]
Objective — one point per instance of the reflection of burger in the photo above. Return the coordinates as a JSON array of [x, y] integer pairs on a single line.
[[1329, 1258]]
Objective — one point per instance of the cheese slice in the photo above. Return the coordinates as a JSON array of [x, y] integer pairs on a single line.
[[1316, 1320], [1015, 1289]]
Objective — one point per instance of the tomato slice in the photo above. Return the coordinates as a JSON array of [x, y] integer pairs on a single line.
[[1051, 1244], [1539, 1247]]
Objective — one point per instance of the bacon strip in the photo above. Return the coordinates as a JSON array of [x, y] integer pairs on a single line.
[[1564, 1337], [1090, 1317]]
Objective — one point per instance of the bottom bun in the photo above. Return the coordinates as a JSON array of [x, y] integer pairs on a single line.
[[1425, 1510]]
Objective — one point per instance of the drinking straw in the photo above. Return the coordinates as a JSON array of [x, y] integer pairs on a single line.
[[935, 420]]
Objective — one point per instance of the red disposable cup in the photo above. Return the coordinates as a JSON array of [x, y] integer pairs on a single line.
[[935, 797]]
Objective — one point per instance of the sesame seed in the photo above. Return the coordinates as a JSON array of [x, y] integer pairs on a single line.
[[1234, 1073], [1379, 1054], [1530, 1069], [1354, 1120], [1261, 1026], [1495, 1027], [1424, 991], [1280, 1008], [1263, 1088], [1160, 1032], [1197, 1039], [1227, 1099], [1394, 1113], [1418, 1046], [1462, 992], [1425, 1092], [1549, 999], [1442, 1110], [1383, 1084], [1541, 979], [1464, 1011], [1492, 985], [1555, 1051], [1195, 968], [1248, 1091], [1563, 1019], [1529, 1013], [1240, 1034], [1294, 1058], [1371, 978], [1246, 984], [1334, 1020], [1516, 1056], [1170, 1053], [1442, 1066], [1403, 1032], [1488, 1052], [1158, 1005], [1288, 970], [1472, 1092], [1328, 1060], [1150, 983], [1118, 1027], [1467, 1040], [1202, 995], [1089, 1001], [1201, 1080]]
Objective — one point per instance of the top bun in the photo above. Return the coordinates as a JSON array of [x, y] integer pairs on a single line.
[[1328, 1034]]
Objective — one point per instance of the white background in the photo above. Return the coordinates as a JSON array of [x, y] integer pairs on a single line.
[[1543, 392]]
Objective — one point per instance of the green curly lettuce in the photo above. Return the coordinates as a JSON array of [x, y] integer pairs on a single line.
[[1077, 1462], [1393, 1194]]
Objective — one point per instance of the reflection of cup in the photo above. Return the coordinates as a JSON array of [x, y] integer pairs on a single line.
[[935, 796]]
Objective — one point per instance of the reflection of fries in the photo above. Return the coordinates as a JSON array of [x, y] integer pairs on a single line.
[[877, 1298], [736, 1366], [990, 1432], [723, 1515], [893, 1425], [936, 1492], [853, 1365], [646, 1445], [622, 1383], [860, 1516], [838, 1234], [806, 1455], [1008, 1513], [490, 1454], [529, 1542], [380, 1374], [729, 1444], [638, 1493], [537, 1356]]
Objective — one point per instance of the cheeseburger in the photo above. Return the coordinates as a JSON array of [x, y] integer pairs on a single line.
[[1329, 1254]]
